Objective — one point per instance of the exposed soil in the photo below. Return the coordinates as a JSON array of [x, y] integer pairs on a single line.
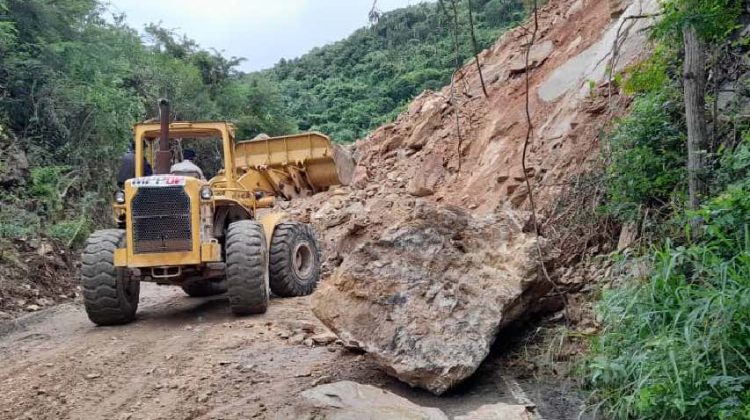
[[190, 358], [34, 274]]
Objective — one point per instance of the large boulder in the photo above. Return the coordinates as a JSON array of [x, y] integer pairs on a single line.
[[426, 296], [350, 400]]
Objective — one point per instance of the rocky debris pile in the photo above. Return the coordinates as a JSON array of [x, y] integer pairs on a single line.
[[305, 333], [350, 400], [424, 287], [34, 274], [457, 147], [426, 296]]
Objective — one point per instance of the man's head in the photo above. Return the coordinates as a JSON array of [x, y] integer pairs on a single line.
[[188, 154]]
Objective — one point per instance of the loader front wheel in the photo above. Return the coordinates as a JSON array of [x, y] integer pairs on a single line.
[[247, 268], [295, 260], [109, 295]]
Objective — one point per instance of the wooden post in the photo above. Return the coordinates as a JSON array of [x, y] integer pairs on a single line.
[[695, 90]]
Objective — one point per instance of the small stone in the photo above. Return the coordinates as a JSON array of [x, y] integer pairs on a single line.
[[245, 368], [308, 342], [297, 339], [32, 308], [303, 374], [93, 375], [322, 380], [324, 339]]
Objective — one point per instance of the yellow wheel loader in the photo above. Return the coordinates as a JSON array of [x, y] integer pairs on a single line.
[[215, 236]]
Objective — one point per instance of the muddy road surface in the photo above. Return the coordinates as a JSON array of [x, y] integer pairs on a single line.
[[187, 358]]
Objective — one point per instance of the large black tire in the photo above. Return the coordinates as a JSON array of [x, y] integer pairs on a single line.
[[295, 260], [204, 288], [109, 296], [247, 268]]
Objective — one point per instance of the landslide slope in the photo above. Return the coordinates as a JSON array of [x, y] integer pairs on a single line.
[[461, 152], [422, 154]]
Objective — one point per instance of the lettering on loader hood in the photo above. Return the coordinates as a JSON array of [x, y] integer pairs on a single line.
[[159, 181]]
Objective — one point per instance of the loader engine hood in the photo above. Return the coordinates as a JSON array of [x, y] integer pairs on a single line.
[[163, 217]]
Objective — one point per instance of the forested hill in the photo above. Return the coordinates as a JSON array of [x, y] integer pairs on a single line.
[[350, 87]]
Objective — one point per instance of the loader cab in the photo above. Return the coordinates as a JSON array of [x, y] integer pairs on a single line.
[[213, 140]]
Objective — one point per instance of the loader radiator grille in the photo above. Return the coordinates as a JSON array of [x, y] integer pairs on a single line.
[[161, 220]]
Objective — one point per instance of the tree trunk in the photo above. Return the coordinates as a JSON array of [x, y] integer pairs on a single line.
[[695, 90]]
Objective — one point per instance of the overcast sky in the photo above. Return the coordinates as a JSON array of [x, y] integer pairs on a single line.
[[262, 31]]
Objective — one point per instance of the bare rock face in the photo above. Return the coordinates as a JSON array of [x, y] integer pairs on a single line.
[[426, 296], [350, 400]]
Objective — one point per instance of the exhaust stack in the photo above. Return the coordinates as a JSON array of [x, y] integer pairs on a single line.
[[163, 156]]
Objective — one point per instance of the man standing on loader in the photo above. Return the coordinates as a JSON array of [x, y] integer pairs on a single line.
[[187, 167], [127, 166]]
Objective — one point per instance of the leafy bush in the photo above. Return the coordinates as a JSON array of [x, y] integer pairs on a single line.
[[734, 163], [45, 186], [676, 344], [647, 152], [17, 223], [651, 75], [71, 232], [714, 20]]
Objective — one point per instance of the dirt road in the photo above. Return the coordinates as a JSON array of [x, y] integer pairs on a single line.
[[190, 358]]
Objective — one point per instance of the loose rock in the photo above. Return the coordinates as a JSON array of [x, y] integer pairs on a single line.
[[350, 400]]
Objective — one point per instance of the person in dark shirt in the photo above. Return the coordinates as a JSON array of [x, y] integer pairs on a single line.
[[127, 167]]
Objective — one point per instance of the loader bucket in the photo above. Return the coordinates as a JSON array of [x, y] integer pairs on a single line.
[[293, 165]]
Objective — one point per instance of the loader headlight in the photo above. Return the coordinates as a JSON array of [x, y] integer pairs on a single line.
[[120, 197], [206, 193]]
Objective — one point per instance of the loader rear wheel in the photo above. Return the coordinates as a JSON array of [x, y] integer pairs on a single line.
[[204, 288], [247, 268], [109, 296], [295, 260]]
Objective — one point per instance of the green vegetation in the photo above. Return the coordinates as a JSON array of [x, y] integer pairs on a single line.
[[647, 153], [675, 343], [350, 87]]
